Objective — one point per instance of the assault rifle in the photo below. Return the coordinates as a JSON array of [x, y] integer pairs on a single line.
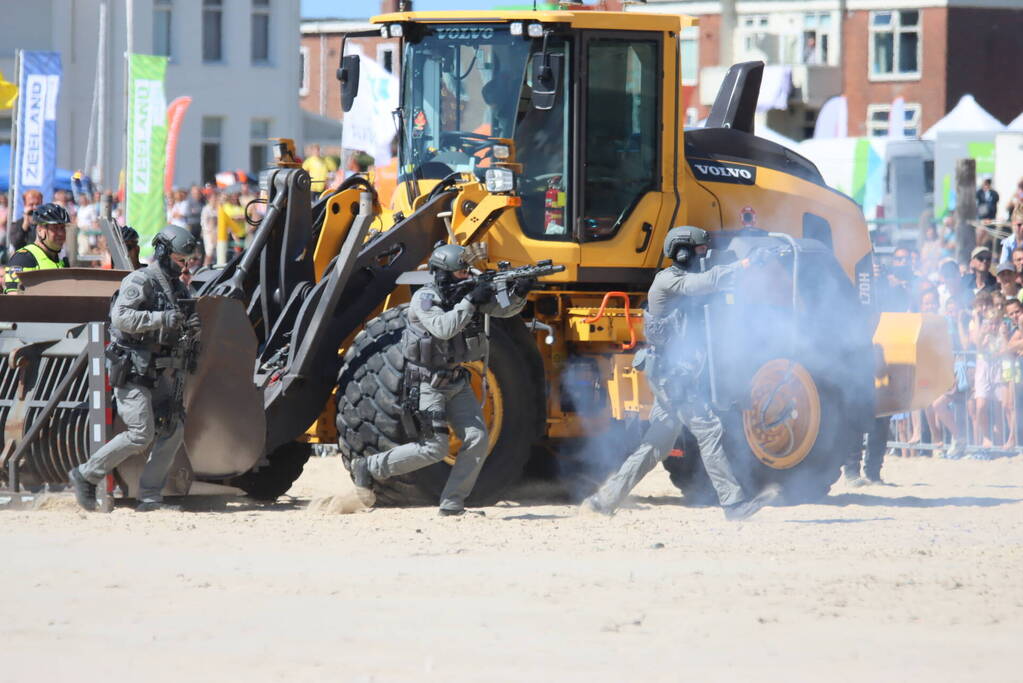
[[505, 276], [183, 357]]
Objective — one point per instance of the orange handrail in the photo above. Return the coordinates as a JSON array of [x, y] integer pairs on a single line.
[[628, 316]]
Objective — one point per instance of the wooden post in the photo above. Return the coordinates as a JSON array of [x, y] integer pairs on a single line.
[[966, 208]]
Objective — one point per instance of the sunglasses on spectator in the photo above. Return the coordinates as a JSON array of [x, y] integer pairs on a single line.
[[983, 258]]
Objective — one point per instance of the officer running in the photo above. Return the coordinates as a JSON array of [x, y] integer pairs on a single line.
[[674, 370], [50, 222], [444, 332], [145, 324]]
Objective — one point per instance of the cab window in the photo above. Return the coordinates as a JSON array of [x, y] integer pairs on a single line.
[[620, 131]]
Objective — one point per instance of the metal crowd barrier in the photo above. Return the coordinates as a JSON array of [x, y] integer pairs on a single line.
[[963, 406]]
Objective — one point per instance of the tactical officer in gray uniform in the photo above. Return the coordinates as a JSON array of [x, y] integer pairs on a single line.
[[444, 332], [674, 370], [145, 324]]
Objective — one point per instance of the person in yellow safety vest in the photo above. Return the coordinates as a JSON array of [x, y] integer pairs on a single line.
[[230, 227], [50, 222]]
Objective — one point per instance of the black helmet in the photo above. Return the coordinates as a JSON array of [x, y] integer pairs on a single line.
[[129, 233], [448, 257], [50, 214], [680, 242], [444, 261], [173, 240]]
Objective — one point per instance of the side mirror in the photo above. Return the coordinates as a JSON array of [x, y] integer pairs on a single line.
[[348, 74], [546, 68]]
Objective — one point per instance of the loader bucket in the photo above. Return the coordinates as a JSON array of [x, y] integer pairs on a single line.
[[225, 426]]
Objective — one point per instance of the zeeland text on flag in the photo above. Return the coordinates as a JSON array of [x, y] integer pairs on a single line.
[[35, 147], [147, 145], [369, 126]]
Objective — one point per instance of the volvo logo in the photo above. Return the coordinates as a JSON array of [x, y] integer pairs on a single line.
[[722, 172], [465, 33]]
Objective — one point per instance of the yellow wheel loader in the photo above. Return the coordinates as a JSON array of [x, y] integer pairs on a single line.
[[541, 135], [559, 135]]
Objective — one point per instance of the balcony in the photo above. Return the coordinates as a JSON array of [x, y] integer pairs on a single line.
[[808, 84]]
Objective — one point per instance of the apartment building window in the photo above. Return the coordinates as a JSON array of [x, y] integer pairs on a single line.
[[162, 27], [303, 71], [690, 48], [212, 30], [385, 57], [895, 44], [260, 31], [259, 144], [879, 115], [816, 37], [755, 39], [212, 132]]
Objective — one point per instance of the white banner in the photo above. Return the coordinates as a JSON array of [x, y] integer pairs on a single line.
[[40, 106], [369, 126]]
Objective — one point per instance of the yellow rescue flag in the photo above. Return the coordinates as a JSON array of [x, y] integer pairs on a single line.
[[8, 92]]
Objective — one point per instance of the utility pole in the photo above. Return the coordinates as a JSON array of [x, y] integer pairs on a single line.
[[129, 20], [966, 208]]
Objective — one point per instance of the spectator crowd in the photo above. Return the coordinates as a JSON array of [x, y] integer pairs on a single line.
[[982, 304]]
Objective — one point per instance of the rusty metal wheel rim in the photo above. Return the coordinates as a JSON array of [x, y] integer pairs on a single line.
[[493, 409], [784, 418]]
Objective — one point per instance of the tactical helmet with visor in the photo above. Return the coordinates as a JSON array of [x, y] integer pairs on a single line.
[[173, 247]]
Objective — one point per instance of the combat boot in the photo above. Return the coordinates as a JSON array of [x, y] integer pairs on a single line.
[[593, 506], [85, 491], [361, 476], [750, 507], [155, 506]]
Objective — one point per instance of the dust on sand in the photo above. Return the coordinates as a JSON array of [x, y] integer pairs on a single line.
[[915, 581]]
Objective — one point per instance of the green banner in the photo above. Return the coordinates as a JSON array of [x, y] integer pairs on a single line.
[[147, 145]]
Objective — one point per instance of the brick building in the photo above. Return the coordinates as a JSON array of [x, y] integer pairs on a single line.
[[929, 52], [320, 91]]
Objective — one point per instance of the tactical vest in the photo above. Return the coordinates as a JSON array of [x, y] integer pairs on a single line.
[[156, 300], [43, 262], [679, 339], [423, 349]]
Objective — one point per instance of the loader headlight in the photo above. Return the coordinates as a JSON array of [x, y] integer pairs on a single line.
[[397, 31], [499, 180], [534, 30], [516, 28], [502, 152]]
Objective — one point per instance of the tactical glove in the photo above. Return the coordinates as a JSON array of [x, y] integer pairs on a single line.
[[481, 293], [192, 324], [523, 286], [173, 320]]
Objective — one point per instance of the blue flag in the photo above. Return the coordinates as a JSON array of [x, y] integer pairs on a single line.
[[35, 149]]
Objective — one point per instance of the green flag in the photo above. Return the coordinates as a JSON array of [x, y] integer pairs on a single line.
[[147, 145]]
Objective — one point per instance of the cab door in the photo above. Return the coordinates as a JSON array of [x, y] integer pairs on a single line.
[[618, 135]]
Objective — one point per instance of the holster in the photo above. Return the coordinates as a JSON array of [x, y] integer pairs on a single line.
[[118, 365]]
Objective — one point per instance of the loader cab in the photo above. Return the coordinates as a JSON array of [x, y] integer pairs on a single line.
[[584, 157]]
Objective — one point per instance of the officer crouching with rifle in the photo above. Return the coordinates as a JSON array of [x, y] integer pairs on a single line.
[[674, 369], [153, 343], [446, 328]]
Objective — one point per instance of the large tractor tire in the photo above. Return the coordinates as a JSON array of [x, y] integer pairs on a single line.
[[369, 410], [270, 481], [804, 391]]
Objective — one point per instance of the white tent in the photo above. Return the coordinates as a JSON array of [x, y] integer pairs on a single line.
[[774, 136], [1016, 124], [966, 117]]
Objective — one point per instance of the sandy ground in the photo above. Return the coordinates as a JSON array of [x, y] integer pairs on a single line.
[[918, 581]]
